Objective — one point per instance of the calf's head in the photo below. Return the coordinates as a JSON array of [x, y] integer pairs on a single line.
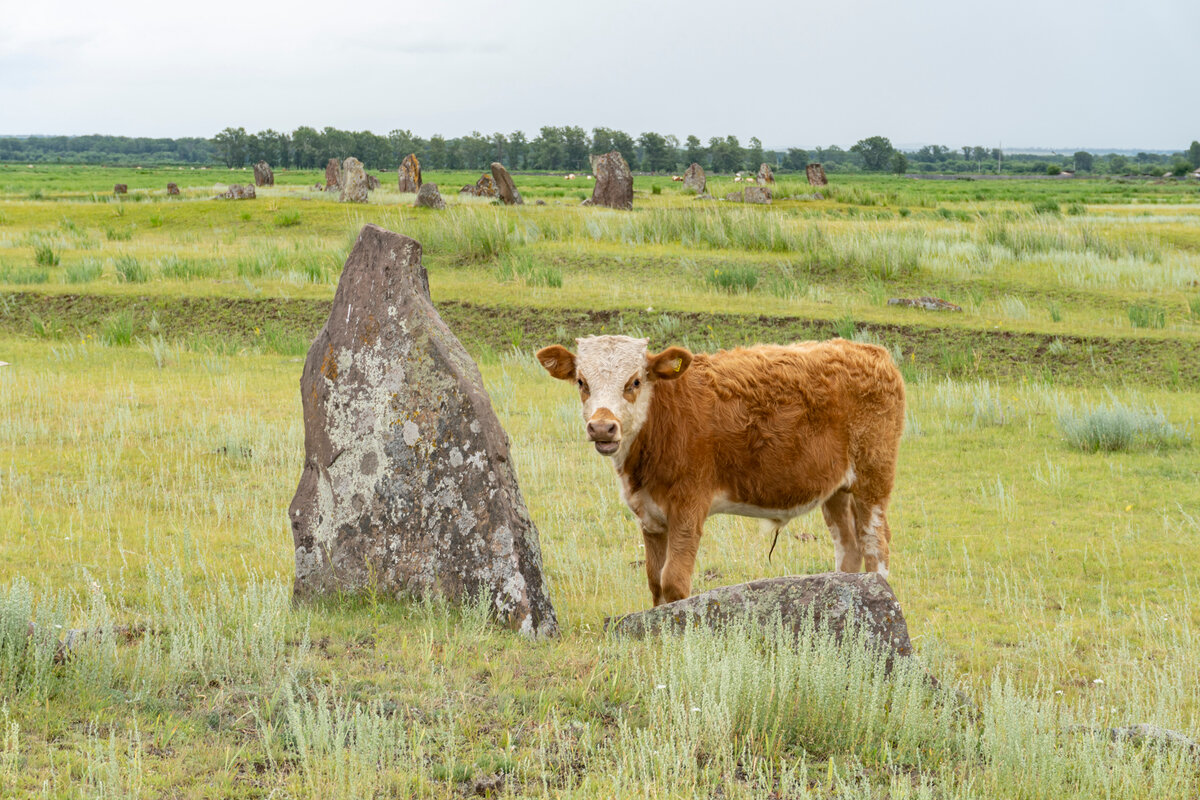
[[615, 376]]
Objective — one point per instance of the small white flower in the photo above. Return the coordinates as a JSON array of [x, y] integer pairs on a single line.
[[1058, 691], [1098, 681], [694, 708], [660, 686]]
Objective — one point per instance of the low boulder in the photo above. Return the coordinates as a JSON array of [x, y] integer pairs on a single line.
[[263, 174], [120, 188], [172, 188], [614, 181], [428, 196], [354, 182], [237, 191], [505, 188], [734, 197], [408, 175], [758, 194], [927, 303], [694, 179], [484, 187], [833, 600]]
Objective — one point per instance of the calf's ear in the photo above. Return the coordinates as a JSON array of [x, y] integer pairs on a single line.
[[558, 361], [669, 364]]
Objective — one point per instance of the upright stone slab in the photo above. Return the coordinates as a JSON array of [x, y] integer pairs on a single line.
[[263, 174], [505, 188], [428, 196], [408, 176], [765, 176], [120, 188], [333, 175], [172, 189], [354, 182], [614, 181], [816, 175], [372, 182], [694, 179], [408, 486]]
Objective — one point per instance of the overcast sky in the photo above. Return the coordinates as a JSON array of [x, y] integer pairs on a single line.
[[1055, 73]]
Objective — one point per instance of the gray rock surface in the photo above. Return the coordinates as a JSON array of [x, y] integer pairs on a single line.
[[614, 181], [816, 175], [408, 175], [333, 175], [833, 599], [735, 197], [927, 303], [354, 182], [694, 179], [505, 188], [407, 486], [428, 196], [263, 174], [764, 176], [237, 191], [758, 194]]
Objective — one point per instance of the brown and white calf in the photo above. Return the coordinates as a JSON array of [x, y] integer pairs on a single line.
[[770, 432]]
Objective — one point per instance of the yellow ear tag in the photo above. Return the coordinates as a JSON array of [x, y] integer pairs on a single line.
[[678, 364]]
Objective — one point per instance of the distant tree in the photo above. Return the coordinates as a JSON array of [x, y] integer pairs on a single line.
[[602, 141], [623, 143], [1083, 161], [876, 152], [656, 156], [933, 153], [1193, 155], [475, 150], [676, 152], [1053, 169], [401, 143], [898, 163], [548, 150], [499, 146], [518, 148], [754, 153], [796, 158], [966, 152], [435, 153], [231, 146], [1181, 167], [1117, 163], [575, 148], [695, 151]]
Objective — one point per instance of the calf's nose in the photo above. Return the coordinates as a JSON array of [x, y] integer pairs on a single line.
[[602, 430]]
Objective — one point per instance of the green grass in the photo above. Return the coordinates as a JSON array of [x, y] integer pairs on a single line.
[[1115, 426]]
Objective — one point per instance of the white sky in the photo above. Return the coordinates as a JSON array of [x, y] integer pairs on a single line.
[[1055, 73]]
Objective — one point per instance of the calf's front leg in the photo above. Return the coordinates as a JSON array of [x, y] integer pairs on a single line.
[[683, 540], [656, 556]]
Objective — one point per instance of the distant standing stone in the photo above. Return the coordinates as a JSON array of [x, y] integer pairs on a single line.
[[408, 485], [172, 189], [833, 599], [816, 175], [429, 197], [505, 188], [237, 191], [614, 181], [120, 188], [694, 179], [484, 187], [758, 194], [408, 176], [263, 175], [372, 182], [354, 182], [333, 175], [764, 176]]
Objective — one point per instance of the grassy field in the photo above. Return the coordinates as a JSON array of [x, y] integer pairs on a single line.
[[1045, 518]]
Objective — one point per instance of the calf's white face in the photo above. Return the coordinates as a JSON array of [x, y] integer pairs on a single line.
[[615, 376]]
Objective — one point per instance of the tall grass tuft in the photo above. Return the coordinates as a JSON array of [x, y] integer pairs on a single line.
[[130, 270], [85, 271], [1116, 427], [1143, 315], [44, 256], [732, 279]]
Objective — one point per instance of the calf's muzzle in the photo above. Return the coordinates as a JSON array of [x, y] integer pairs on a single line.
[[604, 431]]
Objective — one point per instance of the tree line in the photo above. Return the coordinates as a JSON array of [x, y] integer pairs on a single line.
[[566, 149]]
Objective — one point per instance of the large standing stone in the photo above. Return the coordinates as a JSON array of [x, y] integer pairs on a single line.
[[484, 187], [408, 485], [764, 176], [614, 181], [693, 179], [263, 175], [354, 182], [408, 176], [816, 175], [237, 191], [428, 196], [172, 188], [333, 175], [833, 599], [505, 188], [758, 194]]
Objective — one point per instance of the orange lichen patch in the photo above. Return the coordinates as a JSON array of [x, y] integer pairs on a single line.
[[329, 364]]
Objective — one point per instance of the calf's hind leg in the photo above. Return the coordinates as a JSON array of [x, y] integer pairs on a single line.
[[839, 515], [874, 535]]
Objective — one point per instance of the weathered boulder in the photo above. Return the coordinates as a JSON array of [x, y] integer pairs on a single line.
[[372, 182], [505, 188], [816, 175], [832, 599], [758, 194], [408, 486], [408, 175], [694, 179], [263, 175], [735, 197], [428, 196], [172, 188], [120, 188], [614, 181], [354, 182], [333, 175], [927, 303], [484, 187], [237, 191], [764, 176]]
